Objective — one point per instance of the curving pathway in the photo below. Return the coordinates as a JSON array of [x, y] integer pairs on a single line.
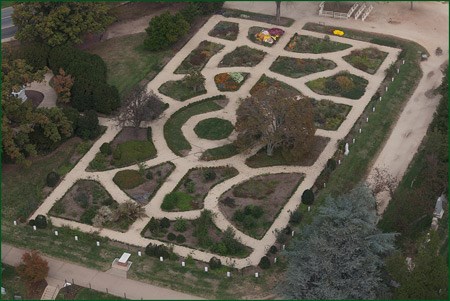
[[183, 164]]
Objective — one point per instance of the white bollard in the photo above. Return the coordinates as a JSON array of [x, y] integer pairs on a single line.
[[206, 269], [98, 244], [324, 185], [380, 98], [161, 258], [403, 62], [256, 275], [392, 79], [76, 238], [275, 260], [183, 264], [386, 88], [339, 162], [34, 228], [309, 209], [373, 109], [367, 119], [398, 71], [56, 233], [284, 247], [139, 253], [293, 232], [360, 130], [15, 223], [228, 274]]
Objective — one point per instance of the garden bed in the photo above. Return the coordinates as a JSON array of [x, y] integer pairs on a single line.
[[141, 186], [253, 205], [309, 44], [367, 59], [214, 129], [230, 81], [261, 159], [130, 146], [181, 90], [194, 186], [200, 233], [225, 30], [264, 36], [342, 84], [295, 67], [198, 58], [266, 82], [329, 115], [82, 202], [172, 128], [242, 56], [76, 292], [220, 152]]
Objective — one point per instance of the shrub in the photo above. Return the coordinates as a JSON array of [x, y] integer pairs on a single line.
[[209, 175], [165, 222], [282, 237], [177, 199], [308, 197], [106, 149], [82, 199], [190, 12], [52, 179], [40, 221], [207, 8], [165, 30], [229, 202], [171, 236], [73, 115], [273, 250], [88, 126], [249, 222], [88, 215], [107, 202], [128, 179], [264, 263], [215, 263], [117, 154], [31, 222], [254, 211], [106, 98], [331, 164], [154, 225], [81, 93], [295, 217], [181, 239], [157, 251], [180, 225], [36, 55], [149, 175], [99, 163]]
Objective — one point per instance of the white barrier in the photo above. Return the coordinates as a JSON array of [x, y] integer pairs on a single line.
[[367, 12], [359, 12], [352, 9]]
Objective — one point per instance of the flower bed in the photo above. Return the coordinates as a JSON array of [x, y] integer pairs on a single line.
[[265, 36], [242, 56], [230, 81], [308, 44], [225, 30], [198, 58], [367, 59], [342, 84], [295, 67]]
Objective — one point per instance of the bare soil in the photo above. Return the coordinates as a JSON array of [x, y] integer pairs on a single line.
[[339, 7], [129, 133], [144, 192], [284, 184]]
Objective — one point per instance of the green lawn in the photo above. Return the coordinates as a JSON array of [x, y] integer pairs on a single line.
[[7, 3], [179, 90], [214, 129], [220, 152], [128, 63], [178, 200], [135, 151], [172, 128]]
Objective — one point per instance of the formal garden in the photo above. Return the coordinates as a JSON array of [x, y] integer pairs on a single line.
[[196, 182]]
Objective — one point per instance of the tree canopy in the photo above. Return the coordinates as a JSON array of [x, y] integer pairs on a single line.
[[275, 118], [340, 254], [57, 23]]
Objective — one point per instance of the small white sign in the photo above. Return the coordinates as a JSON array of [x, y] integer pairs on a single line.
[[56, 233], [183, 264], [161, 258], [34, 228], [256, 275], [76, 237], [206, 269], [228, 274], [139, 253], [98, 244]]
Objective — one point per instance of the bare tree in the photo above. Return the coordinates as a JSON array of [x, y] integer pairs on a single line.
[[278, 13], [139, 105]]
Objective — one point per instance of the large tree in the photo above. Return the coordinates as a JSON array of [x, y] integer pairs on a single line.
[[274, 118], [340, 254], [33, 268], [138, 106], [57, 23]]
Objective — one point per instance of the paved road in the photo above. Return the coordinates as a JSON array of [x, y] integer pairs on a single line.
[[8, 28], [61, 270]]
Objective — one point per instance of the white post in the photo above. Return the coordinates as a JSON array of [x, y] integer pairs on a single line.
[[284, 247], [373, 109], [403, 62], [256, 275], [354, 140], [56, 233], [309, 209], [15, 223], [347, 151], [139, 253], [386, 88], [206, 269], [360, 130], [161, 258], [380, 98], [339, 162], [324, 185], [398, 71], [293, 231], [183, 264], [76, 238], [228, 274], [34, 228], [367, 119], [275, 260], [392, 79], [98, 244]]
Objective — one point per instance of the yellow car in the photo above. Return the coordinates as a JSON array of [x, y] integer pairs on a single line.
[[338, 32]]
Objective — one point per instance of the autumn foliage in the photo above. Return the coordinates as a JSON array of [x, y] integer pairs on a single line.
[[62, 84], [33, 268]]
